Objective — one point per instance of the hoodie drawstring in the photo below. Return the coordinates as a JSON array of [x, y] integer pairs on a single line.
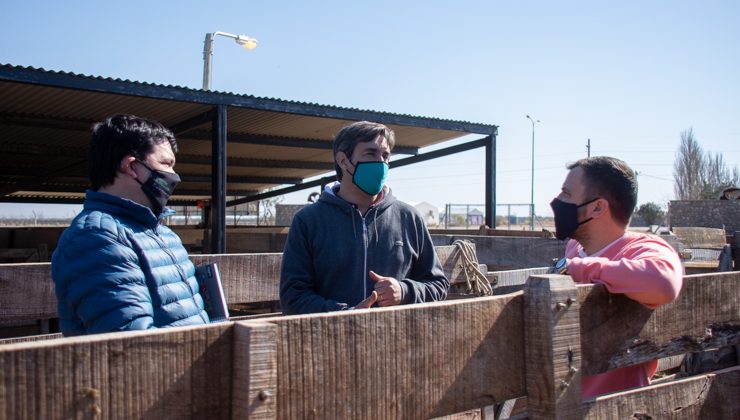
[[375, 225]]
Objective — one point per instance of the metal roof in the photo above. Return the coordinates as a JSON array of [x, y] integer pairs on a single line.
[[46, 116]]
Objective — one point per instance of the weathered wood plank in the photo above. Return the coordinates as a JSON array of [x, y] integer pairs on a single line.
[[158, 374], [711, 396], [700, 237], [247, 278], [711, 360], [255, 370], [701, 267], [31, 338], [510, 253], [13, 253], [27, 292], [672, 362], [510, 281], [617, 331], [552, 347], [249, 242], [452, 263], [252, 278], [416, 361], [516, 277]]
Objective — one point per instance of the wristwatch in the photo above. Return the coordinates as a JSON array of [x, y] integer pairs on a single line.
[[560, 267]]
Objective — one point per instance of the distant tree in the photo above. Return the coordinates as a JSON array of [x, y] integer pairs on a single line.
[[651, 213], [698, 175], [718, 176], [688, 168]]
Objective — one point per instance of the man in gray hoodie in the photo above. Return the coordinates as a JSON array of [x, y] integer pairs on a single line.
[[358, 246]]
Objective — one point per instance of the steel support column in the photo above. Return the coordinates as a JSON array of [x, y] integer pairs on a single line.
[[218, 181], [491, 180]]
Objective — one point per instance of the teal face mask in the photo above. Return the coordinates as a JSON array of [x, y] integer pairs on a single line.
[[370, 176]]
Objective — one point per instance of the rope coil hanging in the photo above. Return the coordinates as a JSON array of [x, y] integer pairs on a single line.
[[477, 282]]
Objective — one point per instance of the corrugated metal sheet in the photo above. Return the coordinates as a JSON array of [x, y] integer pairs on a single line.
[[46, 116]]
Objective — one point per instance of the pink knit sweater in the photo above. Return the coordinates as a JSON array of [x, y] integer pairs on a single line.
[[644, 268]]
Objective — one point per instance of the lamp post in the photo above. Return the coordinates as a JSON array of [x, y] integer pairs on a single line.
[[531, 205], [243, 40]]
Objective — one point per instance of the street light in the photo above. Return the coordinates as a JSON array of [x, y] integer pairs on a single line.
[[243, 40], [531, 209]]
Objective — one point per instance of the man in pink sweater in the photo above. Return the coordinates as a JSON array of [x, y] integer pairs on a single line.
[[593, 209]]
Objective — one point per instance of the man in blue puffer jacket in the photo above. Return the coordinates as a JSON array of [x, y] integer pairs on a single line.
[[116, 267]]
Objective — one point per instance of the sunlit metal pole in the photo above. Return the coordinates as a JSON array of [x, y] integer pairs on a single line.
[[531, 205], [243, 40], [207, 57]]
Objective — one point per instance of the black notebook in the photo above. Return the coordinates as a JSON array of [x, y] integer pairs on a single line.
[[209, 281]]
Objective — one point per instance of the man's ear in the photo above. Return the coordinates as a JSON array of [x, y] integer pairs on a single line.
[[601, 207], [126, 166], [342, 160]]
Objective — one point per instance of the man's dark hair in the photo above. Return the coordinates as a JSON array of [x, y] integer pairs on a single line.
[[359, 132], [613, 180], [118, 136]]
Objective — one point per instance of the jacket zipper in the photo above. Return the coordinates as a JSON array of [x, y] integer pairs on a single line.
[[365, 242], [365, 246]]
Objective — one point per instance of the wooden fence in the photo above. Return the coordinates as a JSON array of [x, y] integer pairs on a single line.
[[27, 290], [415, 361]]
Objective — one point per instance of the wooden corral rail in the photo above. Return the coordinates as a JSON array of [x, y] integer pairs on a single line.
[[415, 361], [27, 290], [510, 253], [180, 373], [25, 254]]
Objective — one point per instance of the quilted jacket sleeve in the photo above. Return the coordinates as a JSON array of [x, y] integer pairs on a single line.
[[100, 286]]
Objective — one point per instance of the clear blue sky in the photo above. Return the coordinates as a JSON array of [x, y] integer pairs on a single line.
[[629, 75]]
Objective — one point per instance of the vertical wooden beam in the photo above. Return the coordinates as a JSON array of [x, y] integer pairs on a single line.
[[218, 180], [736, 250], [255, 371], [552, 348]]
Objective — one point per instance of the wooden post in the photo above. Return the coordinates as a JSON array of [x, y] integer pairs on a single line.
[[552, 348], [255, 371], [736, 250]]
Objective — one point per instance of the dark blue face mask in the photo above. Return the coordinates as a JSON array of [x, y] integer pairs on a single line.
[[370, 176], [158, 187], [566, 217]]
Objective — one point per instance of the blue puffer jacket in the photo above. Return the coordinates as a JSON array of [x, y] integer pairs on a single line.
[[116, 268]]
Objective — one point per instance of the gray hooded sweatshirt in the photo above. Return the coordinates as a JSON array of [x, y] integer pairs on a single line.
[[331, 247]]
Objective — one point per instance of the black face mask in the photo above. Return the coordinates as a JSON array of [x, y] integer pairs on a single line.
[[158, 187], [566, 217]]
